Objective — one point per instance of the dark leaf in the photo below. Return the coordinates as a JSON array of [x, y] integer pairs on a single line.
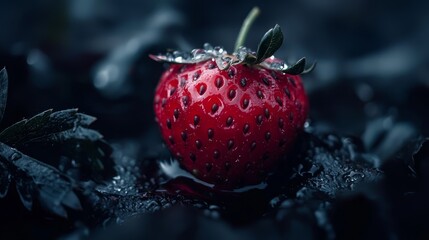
[[46, 125], [70, 200], [309, 69], [46, 197], [77, 133], [26, 191], [270, 43], [38, 181], [297, 68], [3, 91], [66, 130]]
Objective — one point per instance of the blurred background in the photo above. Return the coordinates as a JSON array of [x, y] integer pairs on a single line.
[[373, 56], [371, 79]]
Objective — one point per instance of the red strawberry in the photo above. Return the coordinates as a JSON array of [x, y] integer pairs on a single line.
[[229, 118]]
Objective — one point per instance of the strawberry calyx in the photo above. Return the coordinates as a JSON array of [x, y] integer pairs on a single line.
[[263, 57]]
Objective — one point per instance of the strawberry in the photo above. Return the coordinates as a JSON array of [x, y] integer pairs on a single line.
[[228, 119]]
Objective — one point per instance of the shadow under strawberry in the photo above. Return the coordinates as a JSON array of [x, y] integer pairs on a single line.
[[323, 166]]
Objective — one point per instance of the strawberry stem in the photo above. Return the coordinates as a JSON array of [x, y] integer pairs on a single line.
[[253, 14]]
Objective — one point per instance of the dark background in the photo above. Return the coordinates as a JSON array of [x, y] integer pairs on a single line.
[[373, 58], [92, 54]]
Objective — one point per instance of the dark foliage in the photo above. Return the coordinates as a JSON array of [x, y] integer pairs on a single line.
[[35, 180]]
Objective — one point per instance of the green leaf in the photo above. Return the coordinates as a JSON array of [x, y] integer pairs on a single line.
[[297, 68], [270, 43], [3, 91]]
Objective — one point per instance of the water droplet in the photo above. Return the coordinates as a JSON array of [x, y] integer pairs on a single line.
[[208, 46], [353, 177], [306, 124], [218, 49]]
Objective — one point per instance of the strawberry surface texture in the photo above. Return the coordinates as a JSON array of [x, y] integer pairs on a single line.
[[229, 127]]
